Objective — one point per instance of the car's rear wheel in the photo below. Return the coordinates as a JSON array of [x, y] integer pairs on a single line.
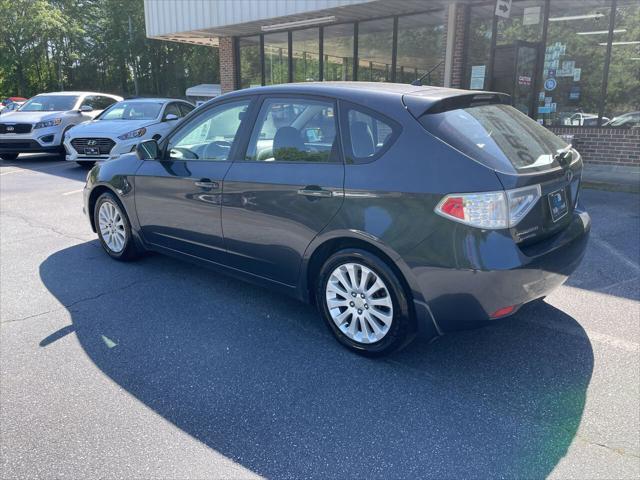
[[114, 229], [363, 303], [9, 156]]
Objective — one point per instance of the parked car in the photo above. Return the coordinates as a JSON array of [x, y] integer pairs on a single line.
[[396, 209], [8, 101], [627, 120], [40, 124], [584, 120], [11, 107], [121, 127]]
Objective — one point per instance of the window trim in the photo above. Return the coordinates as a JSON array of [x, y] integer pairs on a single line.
[[347, 148], [285, 96], [237, 141]]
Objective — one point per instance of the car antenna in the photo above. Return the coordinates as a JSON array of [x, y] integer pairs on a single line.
[[418, 82]]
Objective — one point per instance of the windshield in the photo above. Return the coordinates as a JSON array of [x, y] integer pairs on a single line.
[[50, 103], [628, 119], [498, 136], [132, 111]]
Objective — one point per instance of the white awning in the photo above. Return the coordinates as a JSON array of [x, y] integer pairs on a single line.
[[204, 90]]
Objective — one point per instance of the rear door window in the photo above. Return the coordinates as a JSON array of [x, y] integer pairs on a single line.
[[295, 130], [185, 108], [172, 109], [498, 136], [369, 134]]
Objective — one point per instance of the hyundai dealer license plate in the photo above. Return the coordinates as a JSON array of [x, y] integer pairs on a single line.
[[91, 151], [558, 204]]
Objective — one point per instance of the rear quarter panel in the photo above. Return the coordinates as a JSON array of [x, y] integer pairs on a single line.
[[390, 202]]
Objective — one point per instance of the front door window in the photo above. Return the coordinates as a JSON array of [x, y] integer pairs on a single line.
[[209, 136]]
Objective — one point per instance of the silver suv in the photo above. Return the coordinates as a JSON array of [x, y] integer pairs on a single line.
[[40, 124]]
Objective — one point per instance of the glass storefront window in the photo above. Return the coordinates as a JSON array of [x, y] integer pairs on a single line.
[[623, 87], [338, 52], [517, 50], [276, 58], [421, 48], [375, 47], [305, 52], [574, 63], [478, 47], [524, 24], [250, 71]]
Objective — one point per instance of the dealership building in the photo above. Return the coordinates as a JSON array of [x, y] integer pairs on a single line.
[[572, 65]]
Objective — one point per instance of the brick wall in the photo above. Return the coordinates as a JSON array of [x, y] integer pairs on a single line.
[[227, 65], [605, 146], [457, 64]]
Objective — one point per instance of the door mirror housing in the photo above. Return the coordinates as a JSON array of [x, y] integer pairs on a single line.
[[170, 116], [86, 108], [148, 150]]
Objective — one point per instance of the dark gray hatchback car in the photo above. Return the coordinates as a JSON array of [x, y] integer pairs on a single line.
[[397, 209]]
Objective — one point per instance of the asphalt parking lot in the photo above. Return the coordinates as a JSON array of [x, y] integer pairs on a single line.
[[159, 369]]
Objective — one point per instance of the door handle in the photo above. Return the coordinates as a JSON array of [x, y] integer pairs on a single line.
[[206, 183], [315, 191]]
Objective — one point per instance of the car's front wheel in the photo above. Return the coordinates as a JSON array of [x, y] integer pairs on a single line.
[[9, 156], [364, 303], [114, 229]]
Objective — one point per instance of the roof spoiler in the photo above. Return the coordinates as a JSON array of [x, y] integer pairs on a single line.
[[419, 105]]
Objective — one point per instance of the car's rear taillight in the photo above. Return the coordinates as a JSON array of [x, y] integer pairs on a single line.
[[489, 210]]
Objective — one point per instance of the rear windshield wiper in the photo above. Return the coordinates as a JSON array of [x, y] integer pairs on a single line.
[[564, 155]]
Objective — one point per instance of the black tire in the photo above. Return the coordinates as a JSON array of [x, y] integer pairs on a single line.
[[401, 331], [130, 250], [86, 165], [9, 156]]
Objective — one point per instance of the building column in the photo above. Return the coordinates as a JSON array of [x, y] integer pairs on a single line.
[[228, 67], [456, 22]]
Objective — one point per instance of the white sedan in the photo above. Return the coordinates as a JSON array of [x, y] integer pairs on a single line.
[[121, 127]]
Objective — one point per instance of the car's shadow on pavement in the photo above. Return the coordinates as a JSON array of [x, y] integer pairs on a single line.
[[258, 378], [49, 164]]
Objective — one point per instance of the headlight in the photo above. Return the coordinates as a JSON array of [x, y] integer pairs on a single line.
[[135, 134], [48, 123]]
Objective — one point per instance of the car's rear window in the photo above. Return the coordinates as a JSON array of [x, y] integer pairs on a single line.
[[498, 136]]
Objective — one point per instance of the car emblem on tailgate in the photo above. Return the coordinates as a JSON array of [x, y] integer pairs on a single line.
[[10, 128], [92, 142]]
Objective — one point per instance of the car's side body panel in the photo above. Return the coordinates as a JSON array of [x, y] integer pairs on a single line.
[[268, 221]]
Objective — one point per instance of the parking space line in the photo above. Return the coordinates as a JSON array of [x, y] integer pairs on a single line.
[[22, 169], [72, 192], [11, 171], [615, 252]]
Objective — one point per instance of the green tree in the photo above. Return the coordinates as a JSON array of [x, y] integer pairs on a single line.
[[101, 45]]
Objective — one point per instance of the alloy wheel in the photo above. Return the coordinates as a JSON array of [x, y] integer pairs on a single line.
[[112, 228], [359, 303]]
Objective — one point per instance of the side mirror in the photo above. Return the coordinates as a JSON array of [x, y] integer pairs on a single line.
[[86, 108], [148, 150], [170, 116]]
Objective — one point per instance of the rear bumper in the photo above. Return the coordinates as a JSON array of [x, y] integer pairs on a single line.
[[466, 298]]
